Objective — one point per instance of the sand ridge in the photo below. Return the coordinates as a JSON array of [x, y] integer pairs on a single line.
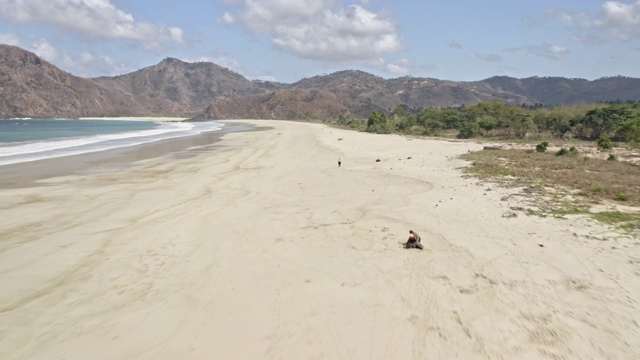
[[265, 248]]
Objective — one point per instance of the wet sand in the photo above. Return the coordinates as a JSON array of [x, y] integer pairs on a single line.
[[29, 173]]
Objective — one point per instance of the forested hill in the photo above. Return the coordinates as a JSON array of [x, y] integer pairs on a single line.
[[32, 87], [559, 90]]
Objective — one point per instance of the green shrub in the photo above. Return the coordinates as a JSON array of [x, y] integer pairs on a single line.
[[604, 144], [612, 157], [529, 151], [542, 147], [378, 123], [468, 130], [562, 152], [622, 197]]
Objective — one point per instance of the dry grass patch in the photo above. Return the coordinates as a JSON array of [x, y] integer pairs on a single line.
[[582, 180]]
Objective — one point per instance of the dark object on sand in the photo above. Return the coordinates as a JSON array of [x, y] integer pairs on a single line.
[[413, 242], [377, 160], [413, 245]]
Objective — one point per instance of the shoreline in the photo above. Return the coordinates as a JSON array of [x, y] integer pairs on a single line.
[[266, 248], [28, 174], [138, 118]]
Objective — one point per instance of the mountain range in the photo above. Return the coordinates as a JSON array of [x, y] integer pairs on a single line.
[[32, 87]]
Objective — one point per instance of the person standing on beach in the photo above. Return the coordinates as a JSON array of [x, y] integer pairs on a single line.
[[339, 162]]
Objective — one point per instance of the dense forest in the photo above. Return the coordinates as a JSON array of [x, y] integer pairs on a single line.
[[619, 121]]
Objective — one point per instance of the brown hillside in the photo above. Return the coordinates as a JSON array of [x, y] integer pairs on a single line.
[[32, 87], [177, 87], [411, 91], [288, 104]]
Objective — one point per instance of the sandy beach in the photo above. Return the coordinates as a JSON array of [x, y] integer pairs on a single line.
[[263, 248]]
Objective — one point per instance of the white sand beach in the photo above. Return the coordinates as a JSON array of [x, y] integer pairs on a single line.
[[265, 249]]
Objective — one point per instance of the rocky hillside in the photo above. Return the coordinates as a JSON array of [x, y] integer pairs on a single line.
[[558, 90], [177, 87], [289, 104], [31, 87], [411, 91]]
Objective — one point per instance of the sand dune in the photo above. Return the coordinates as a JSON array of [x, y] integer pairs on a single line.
[[265, 248]]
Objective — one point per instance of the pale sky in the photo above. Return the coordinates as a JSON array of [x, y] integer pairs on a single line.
[[287, 40]]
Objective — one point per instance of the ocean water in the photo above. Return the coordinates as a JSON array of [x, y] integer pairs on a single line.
[[23, 140]]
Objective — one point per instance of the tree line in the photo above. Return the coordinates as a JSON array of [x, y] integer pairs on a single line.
[[619, 121]]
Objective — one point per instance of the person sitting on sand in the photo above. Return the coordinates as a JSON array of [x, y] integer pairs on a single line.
[[414, 241]]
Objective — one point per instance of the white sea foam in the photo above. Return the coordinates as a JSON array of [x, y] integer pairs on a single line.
[[31, 151]]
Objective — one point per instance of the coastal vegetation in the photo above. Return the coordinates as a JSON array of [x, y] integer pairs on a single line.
[[565, 157], [618, 121]]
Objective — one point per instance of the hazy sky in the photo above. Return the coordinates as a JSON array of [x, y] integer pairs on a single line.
[[287, 40]]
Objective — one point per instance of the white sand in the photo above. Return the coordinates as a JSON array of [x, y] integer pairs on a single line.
[[265, 249]]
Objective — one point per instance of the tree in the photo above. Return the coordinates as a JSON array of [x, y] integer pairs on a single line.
[[378, 123], [563, 119], [401, 111], [495, 108], [601, 121], [451, 118], [523, 124], [404, 124], [350, 121], [434, 124], [468, 130], [630, 130], [487, 123], [426, 115]]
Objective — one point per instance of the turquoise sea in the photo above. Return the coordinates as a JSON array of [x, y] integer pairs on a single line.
[[23, 140]]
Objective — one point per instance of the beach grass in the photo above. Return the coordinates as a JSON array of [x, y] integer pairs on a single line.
[[566, 184]]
